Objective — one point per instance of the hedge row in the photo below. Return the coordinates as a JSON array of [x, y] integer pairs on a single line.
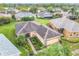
[[27, 18], [4, 20]]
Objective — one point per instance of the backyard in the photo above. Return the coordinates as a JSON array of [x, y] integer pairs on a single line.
[[9, 31]]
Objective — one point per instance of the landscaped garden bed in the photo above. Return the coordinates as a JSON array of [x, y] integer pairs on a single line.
[[54, 50], [21, 41], [74, 40], [70, 43], [37, 44]]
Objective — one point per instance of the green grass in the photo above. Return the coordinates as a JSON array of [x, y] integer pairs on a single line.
[[72, 43], [23, 8], [37, 44], [9, 31], [43, 21], [75, 40], [54, 50], [24, 51]]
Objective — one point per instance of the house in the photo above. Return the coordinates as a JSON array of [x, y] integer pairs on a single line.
[[19, 15], [57, 10], [5, 15], [45, 34], [7, 48], [44, 14], [40, 9], [68, 27], [11, 11], [71, 16]]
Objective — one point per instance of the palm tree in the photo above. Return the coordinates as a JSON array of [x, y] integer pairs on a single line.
[[21, 40]]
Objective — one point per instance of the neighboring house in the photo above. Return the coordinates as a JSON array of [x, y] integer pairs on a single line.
[[59, 14], [68, 27], [2, 11], [5, 15], [45, 34], [40, 9], [7, 48], [19, 15], [44, 14], [71, 16], [12, 10], [57, 10]]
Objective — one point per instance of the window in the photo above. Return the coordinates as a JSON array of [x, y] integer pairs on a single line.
[[70, 34], [74, 33]]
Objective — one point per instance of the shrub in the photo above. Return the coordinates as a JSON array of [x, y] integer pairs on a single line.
[[37, 44], [55, 50], [20, 40], [27, 19], [4, 20], [73, 40], [57, 15], [13, 17]]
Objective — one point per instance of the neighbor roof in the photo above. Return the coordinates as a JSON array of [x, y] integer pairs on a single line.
[[40, 29], [5, 15], [7, 48], [23, 14], [67, 24], [44, 14]]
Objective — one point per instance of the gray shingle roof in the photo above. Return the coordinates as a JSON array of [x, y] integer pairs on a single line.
[[44, 14], [52, 34], [19, 26], [7, 48], [40, 29], [67, 24], [23, 14]]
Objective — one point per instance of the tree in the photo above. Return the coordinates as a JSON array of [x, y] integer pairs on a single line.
[[4, 20], [33, 9], [13, 16], [72, 10], [50, 9], [21, 40], [55, 50]]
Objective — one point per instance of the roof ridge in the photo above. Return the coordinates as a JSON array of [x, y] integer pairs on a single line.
[[48, 28], [22, 27], [46, 34]]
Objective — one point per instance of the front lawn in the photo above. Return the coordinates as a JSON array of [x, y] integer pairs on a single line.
[[42, 21]]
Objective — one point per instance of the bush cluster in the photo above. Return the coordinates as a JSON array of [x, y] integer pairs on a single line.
[[27, 19], [4, 20]]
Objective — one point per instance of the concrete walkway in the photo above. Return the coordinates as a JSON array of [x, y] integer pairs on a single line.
[[34, 50], [75, 52]]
